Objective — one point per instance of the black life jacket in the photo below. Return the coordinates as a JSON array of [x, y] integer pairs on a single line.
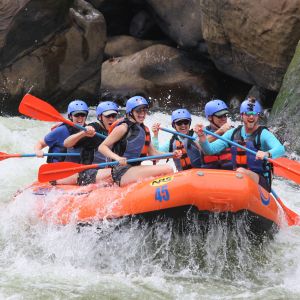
[[89, 153]]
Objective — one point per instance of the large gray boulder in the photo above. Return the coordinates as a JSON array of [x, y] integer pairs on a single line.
[[123, 45], [24, 24], [249, 40], [180, 20], [161, 72], [285, 114]]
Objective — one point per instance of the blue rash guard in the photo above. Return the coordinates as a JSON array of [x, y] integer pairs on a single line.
[[55, 141], [268, 143]]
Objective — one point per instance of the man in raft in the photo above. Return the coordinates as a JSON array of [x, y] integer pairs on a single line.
[[191, 152], [252, 136], [77, 113], [130, 138], [106, 113]]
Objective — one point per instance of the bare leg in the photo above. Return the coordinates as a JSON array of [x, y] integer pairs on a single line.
[[140, 172], [251, 174], [69, 180], [104, 175]]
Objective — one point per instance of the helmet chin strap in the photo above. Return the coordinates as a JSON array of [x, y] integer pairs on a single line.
[[101, 122], [212, 121], [132, 116]]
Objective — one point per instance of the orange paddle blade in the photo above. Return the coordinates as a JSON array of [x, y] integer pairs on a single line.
[[59, 170], [4, 155], [40, 110], [291, 217], [287, 168]]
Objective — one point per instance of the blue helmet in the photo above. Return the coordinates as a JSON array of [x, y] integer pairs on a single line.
[[179, 114], [214, 106], [251, 104], [77, 105], [134, 102], [107, 106]]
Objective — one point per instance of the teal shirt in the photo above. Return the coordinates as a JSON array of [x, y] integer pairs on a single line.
[[268, 143]]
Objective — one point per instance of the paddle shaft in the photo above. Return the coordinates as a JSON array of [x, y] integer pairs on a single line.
[[177, 133], [4, 155], [83, 128], [132, 160], [48, 154]]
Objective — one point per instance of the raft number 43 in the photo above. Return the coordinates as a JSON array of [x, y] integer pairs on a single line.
[[162, 193]]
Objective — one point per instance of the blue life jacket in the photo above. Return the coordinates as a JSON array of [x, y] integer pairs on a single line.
[[135, 141], [245, 159]]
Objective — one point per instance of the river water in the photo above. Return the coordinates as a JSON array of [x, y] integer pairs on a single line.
[[39, 261]]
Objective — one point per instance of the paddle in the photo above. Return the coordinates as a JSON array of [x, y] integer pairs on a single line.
[[292, 217], [288, 170], [4, 155], [38, 109], [55, 171]]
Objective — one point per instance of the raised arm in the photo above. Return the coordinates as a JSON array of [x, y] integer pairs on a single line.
[[73, 139]]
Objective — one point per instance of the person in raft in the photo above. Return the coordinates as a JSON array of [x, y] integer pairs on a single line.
[[77, 113], [88, 141], [216, 112], [252, 136], [191, 152], [130, 138]]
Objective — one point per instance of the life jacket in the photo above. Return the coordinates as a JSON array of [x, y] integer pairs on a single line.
[[245, 159], [91, 155], [135, 142], [191, 154], [222, 160], [62, 149]]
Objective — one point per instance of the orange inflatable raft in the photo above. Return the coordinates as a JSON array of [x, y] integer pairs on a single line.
[[205, 191]]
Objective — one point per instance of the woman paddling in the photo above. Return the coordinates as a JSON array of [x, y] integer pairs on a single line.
[[130, 139], [191, 152]]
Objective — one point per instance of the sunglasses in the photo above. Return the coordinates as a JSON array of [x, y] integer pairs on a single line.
[[222, 116], [182, 122], [251, 113], [111, 116], [79, 115], [141, 110]]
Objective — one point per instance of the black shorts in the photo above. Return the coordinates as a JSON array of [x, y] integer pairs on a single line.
[[87, 177], [118, 171]]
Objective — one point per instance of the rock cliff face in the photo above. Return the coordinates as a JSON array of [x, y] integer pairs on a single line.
[[285, 115], [191, 51], [251, 41], [51, 49]]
